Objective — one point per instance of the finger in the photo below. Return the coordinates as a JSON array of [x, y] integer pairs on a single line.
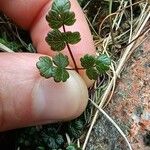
[[24, 12], [28, 99]]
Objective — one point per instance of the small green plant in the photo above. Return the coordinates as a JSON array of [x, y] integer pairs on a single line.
[[57, 67], [73, 147]]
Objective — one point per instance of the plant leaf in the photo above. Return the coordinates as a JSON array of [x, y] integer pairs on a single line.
[[68, 18], [54, 20], [72, 37], [61, 60], [61, 5], [102, 63], [45, 66], [87, 61], [75, 128], [92, 73], [59, 139], [51, 138], [55, 40], [60, 74], [60, 14], [73, 147]]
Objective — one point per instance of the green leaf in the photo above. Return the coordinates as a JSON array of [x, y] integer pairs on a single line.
[[45, 66], [55, 40], [60, 14], [102, 63], [72, 147], [54, 20], [61, 5], [92, 73], [40, 148], [59, 139], [61, 60], [68, 18], [87, 61], [51, 142], [52, 139], [60, 74], [75, 128], [72, 37]]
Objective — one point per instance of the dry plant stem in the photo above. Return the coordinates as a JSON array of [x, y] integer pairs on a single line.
[[142, 39], [68, 139], [111, 23], [84, 8], [71, 54], [78, 143], [141, 35], [116, 13], [100, 27], [131, 27], [111, 120], [96, 15], [90, 24], [121, 14], [113, 87], [19, 38], [5, 48], [118, 71]]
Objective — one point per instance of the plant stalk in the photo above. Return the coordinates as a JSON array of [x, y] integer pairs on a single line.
[[74, 68], [71, 54], [111, 22]]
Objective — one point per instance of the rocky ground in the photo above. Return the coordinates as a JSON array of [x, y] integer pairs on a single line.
[[130, 107]]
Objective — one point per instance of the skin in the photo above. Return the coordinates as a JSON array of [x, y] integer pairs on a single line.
[[25, 97]]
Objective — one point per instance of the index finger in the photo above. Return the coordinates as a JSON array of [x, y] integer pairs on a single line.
[[31, 15]]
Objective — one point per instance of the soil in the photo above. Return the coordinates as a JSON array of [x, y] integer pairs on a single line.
[[130, 107]]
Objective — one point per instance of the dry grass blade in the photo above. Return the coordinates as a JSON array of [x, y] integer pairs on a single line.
[[5, 48], [87, 4]]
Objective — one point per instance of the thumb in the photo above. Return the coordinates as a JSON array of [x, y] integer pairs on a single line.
[[28, 99]]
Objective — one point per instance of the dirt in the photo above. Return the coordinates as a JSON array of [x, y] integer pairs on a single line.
[[130, 107]]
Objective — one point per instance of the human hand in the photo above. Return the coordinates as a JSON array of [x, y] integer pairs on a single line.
[[25, 97]]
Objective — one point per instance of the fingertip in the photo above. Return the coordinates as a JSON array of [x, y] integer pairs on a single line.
[[59, 101]]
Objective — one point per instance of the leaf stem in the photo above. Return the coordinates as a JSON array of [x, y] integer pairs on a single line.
[[71, 54], [74, 68], [111, 22]]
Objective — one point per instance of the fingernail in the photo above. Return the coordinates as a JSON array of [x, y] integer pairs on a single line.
[[59, 101]]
